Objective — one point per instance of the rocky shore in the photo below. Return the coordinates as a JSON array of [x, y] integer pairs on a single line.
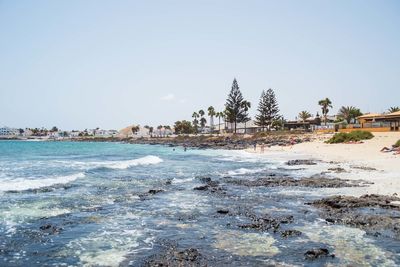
[[233, 142]]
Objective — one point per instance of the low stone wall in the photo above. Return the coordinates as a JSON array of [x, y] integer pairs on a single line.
[[379, 129]]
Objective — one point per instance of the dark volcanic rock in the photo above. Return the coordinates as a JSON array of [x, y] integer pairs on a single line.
[[365, 168], [317, 253], [150, 192], [155, 191], [372, 213], [339, 202], [337, 170], [174, 257], [301, 162], [223, 211], [210, 186], [315, 182], [201, 188], [290, 233], [266, 223], [50, 229]]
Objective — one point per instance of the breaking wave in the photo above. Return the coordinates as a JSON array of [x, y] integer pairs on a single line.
[[124, 164], [23, 184]]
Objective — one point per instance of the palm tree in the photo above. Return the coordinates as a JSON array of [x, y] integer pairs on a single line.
[[211, 113], [201, 112], [203, 122], [325, 105], [348, 113], [246, 105], [393, 109], [304, 115], [195, 116], [226, 117], [219, 116]]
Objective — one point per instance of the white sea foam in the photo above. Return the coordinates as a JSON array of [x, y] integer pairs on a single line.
[[21, 184], [242, 171], [124, 164], [121, 164]]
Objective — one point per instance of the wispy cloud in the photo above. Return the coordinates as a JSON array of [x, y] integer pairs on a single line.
[[168, 97]]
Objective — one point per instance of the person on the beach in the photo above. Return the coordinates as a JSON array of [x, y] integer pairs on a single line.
[[386, 149], [392, 149], [255, 146], [184, 148], [262, 147]]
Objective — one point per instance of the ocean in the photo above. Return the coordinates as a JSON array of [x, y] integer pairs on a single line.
[[115, 204]]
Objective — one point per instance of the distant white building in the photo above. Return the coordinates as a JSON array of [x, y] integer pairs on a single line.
[[7, 131], [105, 133], [27, 132], [73, 134]]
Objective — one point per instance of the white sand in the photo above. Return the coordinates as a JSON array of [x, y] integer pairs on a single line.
[[387, 177]]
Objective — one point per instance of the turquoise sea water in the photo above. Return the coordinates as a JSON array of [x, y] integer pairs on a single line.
[[66, 203]]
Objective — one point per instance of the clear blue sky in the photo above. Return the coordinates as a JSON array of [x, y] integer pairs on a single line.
[[86, 64]]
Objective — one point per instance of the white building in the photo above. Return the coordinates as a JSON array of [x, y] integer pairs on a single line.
[[7, 131], [105, 133]]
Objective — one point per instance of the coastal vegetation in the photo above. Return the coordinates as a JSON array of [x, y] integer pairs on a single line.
[[393, 109], [355, 136], [268, 110], [235, 108], [349, 113], [397, 144], [325, 105], [304, 115], [184, 127]]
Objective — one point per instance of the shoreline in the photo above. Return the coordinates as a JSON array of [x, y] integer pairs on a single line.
[[357, 161]]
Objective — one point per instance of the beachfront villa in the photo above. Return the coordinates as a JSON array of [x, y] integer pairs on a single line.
[[379, 122]]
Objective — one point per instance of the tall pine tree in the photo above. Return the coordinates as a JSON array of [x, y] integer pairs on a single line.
[[268, 109], [235, 109]]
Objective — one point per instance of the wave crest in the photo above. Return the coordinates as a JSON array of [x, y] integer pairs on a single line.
[[21, 184], [124, 164]]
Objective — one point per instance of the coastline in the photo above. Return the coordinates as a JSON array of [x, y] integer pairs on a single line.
[[358, 161]]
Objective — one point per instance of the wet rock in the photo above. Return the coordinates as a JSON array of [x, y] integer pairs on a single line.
[[210, 186], [315, 182], [266, 223], [301, 162], [50, 229], [190, 254], [317, 253], [222, 211], [144, 196], [337, 170], [290, 233], [372, 213], [174, 257], [339, 202], [365, 168], [155, 191], [201, 188]]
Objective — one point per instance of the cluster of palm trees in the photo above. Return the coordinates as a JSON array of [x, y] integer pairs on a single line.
[[200, 120], [345, 113], [196, 116]]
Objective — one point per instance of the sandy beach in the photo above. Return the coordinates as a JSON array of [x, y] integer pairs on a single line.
[[361, 161]]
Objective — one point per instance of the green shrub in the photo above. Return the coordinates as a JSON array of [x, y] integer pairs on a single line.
[[397, 143], [348, 137]]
